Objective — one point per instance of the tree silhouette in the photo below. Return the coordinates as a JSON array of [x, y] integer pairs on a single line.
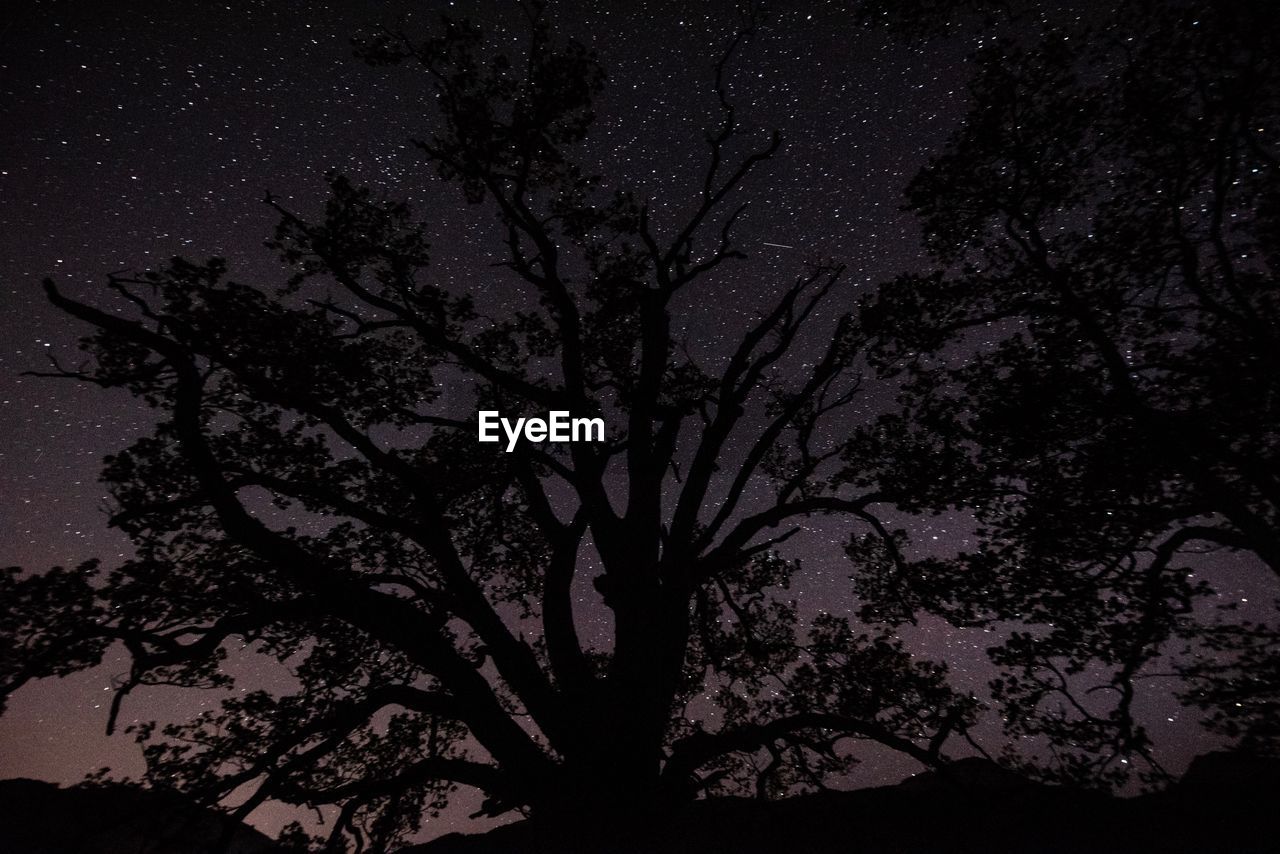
[[1093, 367], [310, 493]]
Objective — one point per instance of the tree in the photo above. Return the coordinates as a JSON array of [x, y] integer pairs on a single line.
[[308, 492], [1093, 366]]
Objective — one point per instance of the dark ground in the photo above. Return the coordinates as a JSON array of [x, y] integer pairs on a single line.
[[1224, 805], [39, 818]]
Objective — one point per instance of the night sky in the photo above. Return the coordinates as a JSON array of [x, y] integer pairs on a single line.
[[136, 131]]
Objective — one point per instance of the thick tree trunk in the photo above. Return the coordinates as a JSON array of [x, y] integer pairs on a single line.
[[616, 774]]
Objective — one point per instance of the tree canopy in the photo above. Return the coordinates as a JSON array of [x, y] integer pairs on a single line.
[[308, 490], [1088, 370], [1092, 366]]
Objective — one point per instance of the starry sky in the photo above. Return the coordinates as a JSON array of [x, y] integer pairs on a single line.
[[135, 131]]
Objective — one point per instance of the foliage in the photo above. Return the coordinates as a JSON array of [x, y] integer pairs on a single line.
[[1092, 366], [311, 497]]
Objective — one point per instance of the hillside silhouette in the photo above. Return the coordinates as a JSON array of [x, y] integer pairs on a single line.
[[1222, 804], [37, 817]]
